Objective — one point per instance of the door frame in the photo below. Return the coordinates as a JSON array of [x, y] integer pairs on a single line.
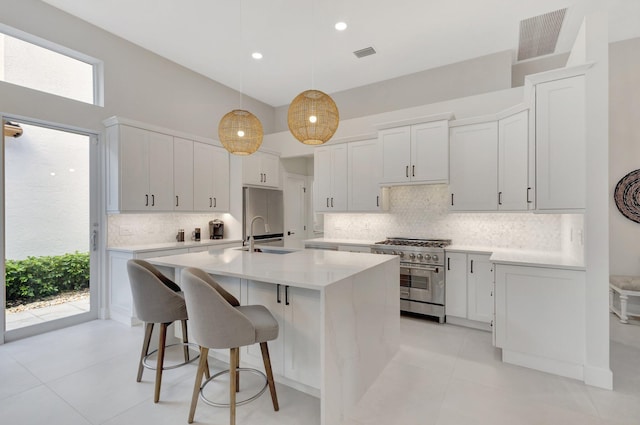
[[97, 220]]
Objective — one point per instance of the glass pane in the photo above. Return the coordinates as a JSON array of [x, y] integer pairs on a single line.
[[28, 65], [46, 225]]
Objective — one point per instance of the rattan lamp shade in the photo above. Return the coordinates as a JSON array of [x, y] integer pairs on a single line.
[[240, 132], [313, 117]]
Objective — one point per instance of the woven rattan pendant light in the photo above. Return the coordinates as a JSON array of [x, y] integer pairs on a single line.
[[239, 131], [313, 116]]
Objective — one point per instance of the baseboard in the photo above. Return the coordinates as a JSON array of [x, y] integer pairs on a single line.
[[460, 321], [557, 367], [598, 377]]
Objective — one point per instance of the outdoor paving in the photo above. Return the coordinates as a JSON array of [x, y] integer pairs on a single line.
[[16, 320]]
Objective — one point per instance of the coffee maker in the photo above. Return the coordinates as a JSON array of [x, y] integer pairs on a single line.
[[216, 229]]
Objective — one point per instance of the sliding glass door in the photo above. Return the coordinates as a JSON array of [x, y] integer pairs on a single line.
[[50, 225]]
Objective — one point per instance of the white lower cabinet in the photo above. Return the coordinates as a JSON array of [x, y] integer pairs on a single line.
[[540, 318], [295, 354], [469, 289]]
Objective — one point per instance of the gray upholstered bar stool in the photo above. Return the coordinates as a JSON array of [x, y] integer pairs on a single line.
[[157, 299], [219, 322]]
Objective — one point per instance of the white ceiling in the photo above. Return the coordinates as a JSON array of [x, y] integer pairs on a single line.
[[302, 49]]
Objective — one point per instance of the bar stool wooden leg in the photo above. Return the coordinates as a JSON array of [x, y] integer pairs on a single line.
[[232, 385], [148, 330], [237, 371], [206, 366], [267, 367], [203, 367], [185, 340], [161, 345]]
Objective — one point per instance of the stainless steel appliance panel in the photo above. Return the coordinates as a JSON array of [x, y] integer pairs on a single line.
[[269, 204]]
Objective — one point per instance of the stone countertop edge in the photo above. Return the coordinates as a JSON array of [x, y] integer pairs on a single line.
[[520, 257], [339, 241], [160, 246]]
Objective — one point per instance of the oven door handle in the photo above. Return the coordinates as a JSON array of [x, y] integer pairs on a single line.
[[404, 292], [408, 268]]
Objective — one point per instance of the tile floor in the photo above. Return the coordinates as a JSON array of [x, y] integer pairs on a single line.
[[442, 375]]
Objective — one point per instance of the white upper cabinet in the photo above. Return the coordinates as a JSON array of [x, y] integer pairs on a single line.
[[210, 178], [514, 190], [261, 169], [474, 167], [364, 176], [140, 166], [182, 174], [416, 153], [560, 144], [330, 168]]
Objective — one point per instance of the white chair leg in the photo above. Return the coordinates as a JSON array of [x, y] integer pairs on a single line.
[[623, 309]]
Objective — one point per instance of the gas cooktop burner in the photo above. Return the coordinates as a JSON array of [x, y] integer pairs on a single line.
[[427, 243]]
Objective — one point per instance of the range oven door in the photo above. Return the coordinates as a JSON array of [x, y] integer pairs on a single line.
[[422, 284]]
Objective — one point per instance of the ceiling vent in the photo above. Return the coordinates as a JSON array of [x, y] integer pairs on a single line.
[[367, 51], [539, 35]]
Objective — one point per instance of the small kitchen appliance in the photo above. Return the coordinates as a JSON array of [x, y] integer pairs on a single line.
[[195, 235], [180, 235], [216, 229], [421, 273]]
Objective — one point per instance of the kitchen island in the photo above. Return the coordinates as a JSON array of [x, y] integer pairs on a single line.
[[338, 315]]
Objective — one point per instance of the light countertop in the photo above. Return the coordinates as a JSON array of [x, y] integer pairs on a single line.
[[519, 257], [161, 246], [330, 241], [306, 268]]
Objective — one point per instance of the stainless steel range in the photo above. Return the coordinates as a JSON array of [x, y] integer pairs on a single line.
[[421, 273]]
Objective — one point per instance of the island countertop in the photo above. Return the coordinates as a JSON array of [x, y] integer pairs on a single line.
[[306, 268]]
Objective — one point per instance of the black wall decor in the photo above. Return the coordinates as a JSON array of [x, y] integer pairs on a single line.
[[627, 196]]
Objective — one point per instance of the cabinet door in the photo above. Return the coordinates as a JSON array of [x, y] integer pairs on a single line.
[[220, 184], [364, 176], [182, 174], [456, 285], [513, 162], [480, 288], [430, 152], [252, 169], [134, 169], [473, 179], [266, 294], [338, 201], [302, 336], [161, 171], [270, 169], [322, 178], [395, 154], [202, 177], [560, 144]]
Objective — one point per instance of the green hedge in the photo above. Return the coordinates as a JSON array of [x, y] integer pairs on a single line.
[[37, 277]]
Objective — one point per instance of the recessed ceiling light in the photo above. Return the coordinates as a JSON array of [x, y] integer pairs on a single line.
[[256, 55], [341, 26]]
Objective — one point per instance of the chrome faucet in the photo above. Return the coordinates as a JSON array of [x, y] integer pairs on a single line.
[[251, 238]]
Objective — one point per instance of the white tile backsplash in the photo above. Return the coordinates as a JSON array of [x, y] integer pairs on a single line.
[[136, 229], [422, 212]]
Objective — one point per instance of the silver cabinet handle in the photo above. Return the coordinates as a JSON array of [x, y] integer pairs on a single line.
[[153, 200], [94, 240], [146, 201], [378, 201], [265, 177], [413, 171], [406, 171], [327, 202], [177, 201], [331, 202], [499, 198], [215, 202], [210, 202], [528, 199]]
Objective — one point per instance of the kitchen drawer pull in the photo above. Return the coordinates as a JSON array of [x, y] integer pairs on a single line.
[[406, 171], [177, 201], [327, 202], [471, 266], [210, 202], [499, 198], [286, 295], [215, 202], [265, 177], [528, 199], [452, 199], [261, 178], [331, 202], [278, 293], [413, 171], [153, 200], [378, 201], [146, 202], [448, 263]]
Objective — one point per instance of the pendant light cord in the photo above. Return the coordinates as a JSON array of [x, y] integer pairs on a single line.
[[241, 56], [313, 45]]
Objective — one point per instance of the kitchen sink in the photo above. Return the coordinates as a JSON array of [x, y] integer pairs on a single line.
[[266, 250]]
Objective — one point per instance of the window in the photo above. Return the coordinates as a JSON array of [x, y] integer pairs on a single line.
[[31, 62]]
